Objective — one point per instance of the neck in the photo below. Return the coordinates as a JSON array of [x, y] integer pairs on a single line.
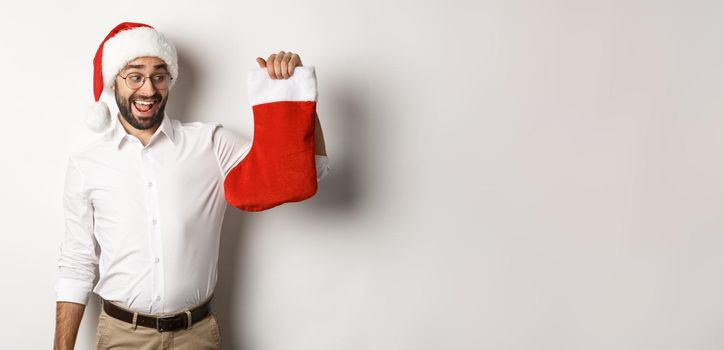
[[143, 135]]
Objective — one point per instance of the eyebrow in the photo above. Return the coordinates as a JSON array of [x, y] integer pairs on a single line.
[[139, 66]]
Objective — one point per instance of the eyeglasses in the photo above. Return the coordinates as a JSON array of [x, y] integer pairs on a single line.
[[134, 81]]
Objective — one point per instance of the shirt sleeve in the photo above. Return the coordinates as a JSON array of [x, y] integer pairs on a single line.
[[322, 164], [78, 257], [229, 147]]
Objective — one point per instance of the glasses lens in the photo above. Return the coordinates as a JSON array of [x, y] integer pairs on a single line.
[[160, 81], [134, 80]]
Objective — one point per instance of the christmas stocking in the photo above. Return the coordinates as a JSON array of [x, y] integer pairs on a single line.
[[280, 166]]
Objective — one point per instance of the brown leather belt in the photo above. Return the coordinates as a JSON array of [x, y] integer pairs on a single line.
[[161, 324]]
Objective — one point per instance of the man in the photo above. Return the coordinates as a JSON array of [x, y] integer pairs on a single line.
[[150, 194]]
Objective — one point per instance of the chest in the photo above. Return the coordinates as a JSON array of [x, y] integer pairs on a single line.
[[134, 183]]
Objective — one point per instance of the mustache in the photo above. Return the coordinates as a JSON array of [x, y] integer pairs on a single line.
[[155, 98]]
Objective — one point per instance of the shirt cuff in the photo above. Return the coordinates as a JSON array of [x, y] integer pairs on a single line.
[[76, 291], [322, 163]]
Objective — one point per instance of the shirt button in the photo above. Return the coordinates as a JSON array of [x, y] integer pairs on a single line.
[[153, 221], [158, 298], [150, 184], [157, 260]]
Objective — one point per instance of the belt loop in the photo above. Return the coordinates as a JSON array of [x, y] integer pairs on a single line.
[[135, 318], [188, 314]]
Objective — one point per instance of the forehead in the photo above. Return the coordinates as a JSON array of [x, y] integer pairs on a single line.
[[145, 63]]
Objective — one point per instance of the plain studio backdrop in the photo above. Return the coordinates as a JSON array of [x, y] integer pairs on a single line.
[[505, 174]]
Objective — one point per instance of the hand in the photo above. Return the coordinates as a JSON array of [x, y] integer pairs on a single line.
[[280, 65]]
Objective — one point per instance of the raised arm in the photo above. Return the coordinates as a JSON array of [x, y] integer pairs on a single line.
[[319, 148], [282, 65]]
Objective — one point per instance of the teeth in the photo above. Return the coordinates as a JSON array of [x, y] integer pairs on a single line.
[[144, 102]]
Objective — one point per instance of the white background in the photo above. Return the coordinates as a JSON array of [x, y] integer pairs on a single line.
[[505, 174]]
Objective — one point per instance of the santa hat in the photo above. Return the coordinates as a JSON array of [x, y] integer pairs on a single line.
[[126, 42]]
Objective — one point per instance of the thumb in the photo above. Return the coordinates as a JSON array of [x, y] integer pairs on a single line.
[[261, 62]]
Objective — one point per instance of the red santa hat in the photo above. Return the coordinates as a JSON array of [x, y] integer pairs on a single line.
[[126, 42]]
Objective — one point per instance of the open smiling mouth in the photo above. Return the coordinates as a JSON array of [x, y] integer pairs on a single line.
[[145, 108]]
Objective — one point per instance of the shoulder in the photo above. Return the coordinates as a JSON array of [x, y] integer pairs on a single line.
[[97, 147], [195, 127], [199, 133], [214, 130]]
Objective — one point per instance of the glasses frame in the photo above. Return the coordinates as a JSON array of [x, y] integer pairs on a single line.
[[170, 78]]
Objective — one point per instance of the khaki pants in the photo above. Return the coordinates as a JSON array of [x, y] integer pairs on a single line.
[[115, 334]]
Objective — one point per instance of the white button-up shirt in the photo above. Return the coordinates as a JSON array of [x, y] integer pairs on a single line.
[[149, 217]]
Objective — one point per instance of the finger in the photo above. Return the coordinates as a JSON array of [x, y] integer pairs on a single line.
[[278, 64], [270, 66], [295, 61], [286, 65], [299, 60], [261, 62]]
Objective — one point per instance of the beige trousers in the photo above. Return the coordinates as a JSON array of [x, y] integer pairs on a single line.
[[115, 334]]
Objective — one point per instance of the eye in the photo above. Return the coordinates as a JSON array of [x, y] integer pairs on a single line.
[[135, 78], [160, 78]]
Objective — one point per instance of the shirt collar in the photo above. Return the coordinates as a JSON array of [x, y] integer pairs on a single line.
[[119, 133]]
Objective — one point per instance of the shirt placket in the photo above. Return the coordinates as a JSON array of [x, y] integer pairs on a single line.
[[154, 229]]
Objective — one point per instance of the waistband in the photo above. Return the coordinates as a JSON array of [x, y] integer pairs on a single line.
[[160, 322]]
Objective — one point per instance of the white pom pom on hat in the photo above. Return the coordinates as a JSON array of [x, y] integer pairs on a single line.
[[98, 117], [126, 42]]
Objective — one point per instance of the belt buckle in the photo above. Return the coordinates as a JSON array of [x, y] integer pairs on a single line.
[[159, 325]]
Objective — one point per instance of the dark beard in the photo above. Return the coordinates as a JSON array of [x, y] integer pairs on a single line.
[[124, 107]]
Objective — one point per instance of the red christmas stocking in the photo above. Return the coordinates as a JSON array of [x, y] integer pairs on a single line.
[[280, 166]]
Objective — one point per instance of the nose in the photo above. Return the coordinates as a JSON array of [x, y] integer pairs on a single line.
[[147, 89]]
